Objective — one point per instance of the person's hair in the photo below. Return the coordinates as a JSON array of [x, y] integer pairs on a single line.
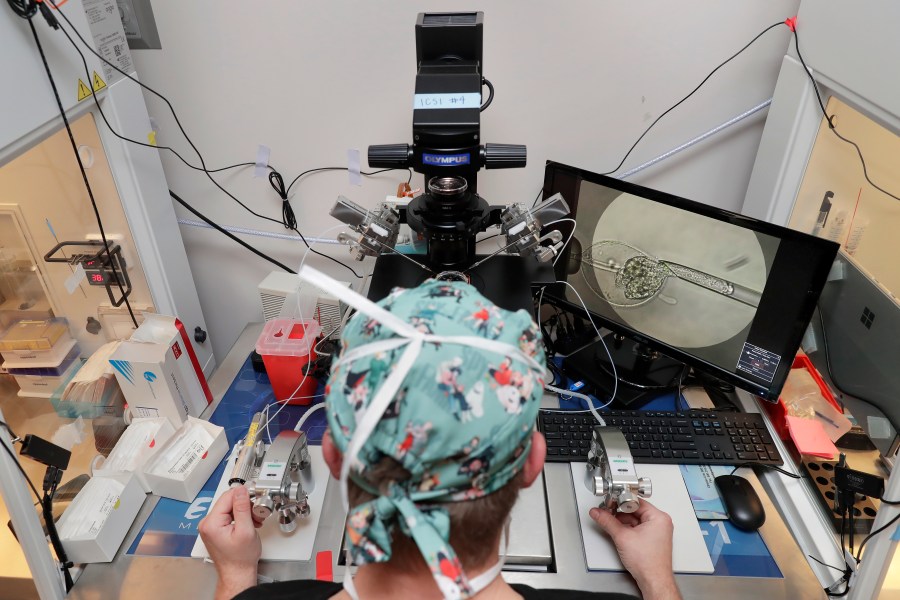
[[474, 524]]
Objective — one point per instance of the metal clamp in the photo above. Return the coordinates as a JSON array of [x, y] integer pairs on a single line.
[[378, 230]]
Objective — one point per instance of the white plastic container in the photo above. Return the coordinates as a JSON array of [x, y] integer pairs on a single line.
[[106, 522], [186, 460], [43, 386], [38, 359]]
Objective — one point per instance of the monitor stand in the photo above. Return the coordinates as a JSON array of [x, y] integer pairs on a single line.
[[643, 372]]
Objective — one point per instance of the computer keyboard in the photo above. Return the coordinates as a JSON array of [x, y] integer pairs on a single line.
[[695, 437]]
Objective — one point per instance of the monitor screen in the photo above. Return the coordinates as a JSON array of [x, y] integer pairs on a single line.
[[726, 294]]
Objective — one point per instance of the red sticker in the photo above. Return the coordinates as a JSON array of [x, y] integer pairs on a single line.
[[176, 350], [204, 455], [152, 442]]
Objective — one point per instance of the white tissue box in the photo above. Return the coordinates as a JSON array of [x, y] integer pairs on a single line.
[[102, 544], [141, 449], [162, 470]]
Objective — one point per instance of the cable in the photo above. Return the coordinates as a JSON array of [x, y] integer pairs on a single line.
[[490, 86], [23, 8], [228, 234], [364, 173], [16, 461], [830, 119], [287, 211], [288, 218], [87, 184], [674, 106], [773, 467], [825, 564], [874, 533], [891, 502]]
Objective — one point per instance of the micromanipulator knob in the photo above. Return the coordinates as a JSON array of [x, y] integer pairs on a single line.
[[263, 507], [645, 487], [628, 502]]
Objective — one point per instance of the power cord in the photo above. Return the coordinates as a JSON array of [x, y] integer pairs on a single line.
[[51, 479], [699, 85], [792, 23], [51, 20]]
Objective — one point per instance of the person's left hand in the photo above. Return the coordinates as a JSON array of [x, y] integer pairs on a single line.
[[232, 542]]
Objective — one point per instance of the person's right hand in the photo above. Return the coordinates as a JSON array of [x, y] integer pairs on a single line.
[[643, 540], [229, 533]]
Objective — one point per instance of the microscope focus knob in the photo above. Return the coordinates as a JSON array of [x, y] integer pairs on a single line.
[[628, 502], [645, 487], [389, 156], [287, 520], [502, 156]]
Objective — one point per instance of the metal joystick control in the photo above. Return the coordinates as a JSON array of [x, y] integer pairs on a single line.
[[610, 473]]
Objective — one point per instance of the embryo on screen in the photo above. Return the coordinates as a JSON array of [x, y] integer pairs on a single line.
[[685, 279]]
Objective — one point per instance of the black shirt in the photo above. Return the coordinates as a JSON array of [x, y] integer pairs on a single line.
[[307, 589]]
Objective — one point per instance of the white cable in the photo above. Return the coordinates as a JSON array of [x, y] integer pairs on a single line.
[[308, 365], [612, 364], [569, 239], [312, 409], [586, 398]]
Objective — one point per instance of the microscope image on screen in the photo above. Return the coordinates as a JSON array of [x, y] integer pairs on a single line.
[[682, 278]]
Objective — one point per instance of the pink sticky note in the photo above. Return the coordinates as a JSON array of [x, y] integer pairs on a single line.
[[810, 437]]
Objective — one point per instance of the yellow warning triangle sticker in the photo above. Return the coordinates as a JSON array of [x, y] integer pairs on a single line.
[[83, 90], [99, 84]]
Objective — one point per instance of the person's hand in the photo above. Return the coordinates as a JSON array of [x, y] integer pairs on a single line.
[[229, 533], [643, 540]]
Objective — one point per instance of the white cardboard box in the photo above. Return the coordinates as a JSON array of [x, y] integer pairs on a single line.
[[174, 486], [103, 546], [144, 449], [159, 373]]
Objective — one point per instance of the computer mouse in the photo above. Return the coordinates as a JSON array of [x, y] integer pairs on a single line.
[[745, 509]]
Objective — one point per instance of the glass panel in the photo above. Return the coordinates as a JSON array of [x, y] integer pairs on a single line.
[[836, 202]]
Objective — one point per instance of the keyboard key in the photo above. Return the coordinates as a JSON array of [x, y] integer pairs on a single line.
[[683, 446], [552, 451], [691, 454], [682, 438], [747, 456]]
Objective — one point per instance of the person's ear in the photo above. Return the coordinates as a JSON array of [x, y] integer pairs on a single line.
[[333, 457], [534, 464]]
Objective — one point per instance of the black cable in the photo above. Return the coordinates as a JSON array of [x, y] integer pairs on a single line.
[[773, 467], [485, 81], [87, 184], [228, 233], [364, 173], [891, 502], [208, 172], [12, 455], [874, 533], [825, 564], [51, 479], [830, 119], [674, 106], [288, 218], [23, 8]]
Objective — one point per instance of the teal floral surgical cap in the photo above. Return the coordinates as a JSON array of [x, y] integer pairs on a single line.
[[460, 421]]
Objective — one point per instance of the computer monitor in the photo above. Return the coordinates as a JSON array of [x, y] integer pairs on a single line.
[[726, 294]]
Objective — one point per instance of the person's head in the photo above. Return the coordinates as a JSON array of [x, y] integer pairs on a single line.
[[432, 456]]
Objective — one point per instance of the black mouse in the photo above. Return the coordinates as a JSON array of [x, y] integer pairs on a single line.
[[745, 509]]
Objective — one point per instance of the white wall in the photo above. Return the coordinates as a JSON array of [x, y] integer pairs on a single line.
[[576, 81]]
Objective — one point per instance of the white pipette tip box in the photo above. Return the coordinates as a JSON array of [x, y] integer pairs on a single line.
[[138, 445], [98, 519]]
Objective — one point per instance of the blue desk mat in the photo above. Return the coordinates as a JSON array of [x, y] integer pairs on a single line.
[[171, 529], [734, 553]]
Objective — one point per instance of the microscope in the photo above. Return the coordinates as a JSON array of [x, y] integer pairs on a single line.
[[447, 149]]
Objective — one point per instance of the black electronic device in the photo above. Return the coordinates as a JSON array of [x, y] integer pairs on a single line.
[[745, 509], [102, 267], [447, 147], [682, 281], [46, 453], [693, 437]]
